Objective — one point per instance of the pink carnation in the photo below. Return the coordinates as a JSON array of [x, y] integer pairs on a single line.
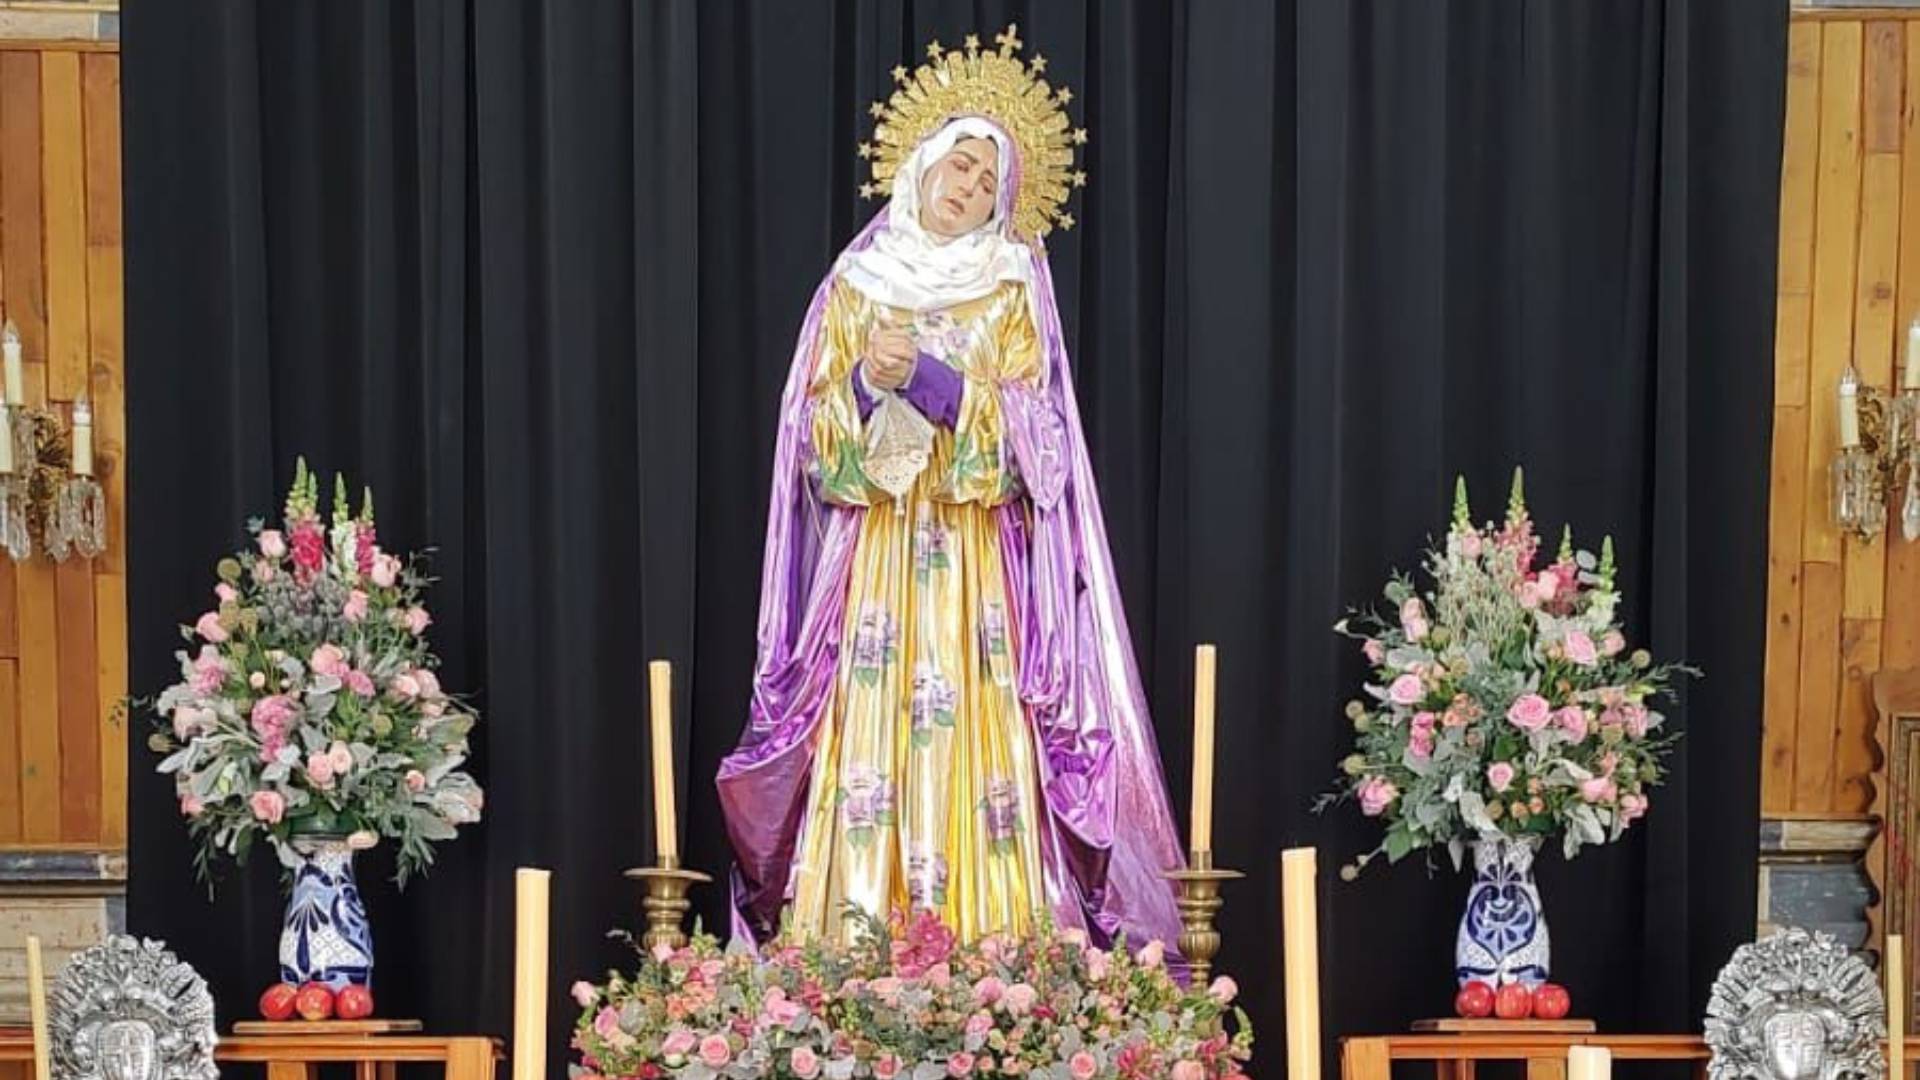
[[359, 682], [267, 806], [1376, 794], [1500, 775], [1407, 690], [1530, 712], [209, 627], [1580, 649], [988, 990], [209, 671], [271, 715], [979, 1024]]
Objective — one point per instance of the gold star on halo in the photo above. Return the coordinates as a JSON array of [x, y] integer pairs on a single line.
[[1079, 179], [899, 74], [866, 191], [1080, 136], [1065, 95], [878, 108], [933, 50], [1039, 63], [1066, 222], [866, 150], [973, 42]]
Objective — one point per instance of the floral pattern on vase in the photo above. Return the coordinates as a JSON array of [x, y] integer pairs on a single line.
[[325, 937], [1503, 932]]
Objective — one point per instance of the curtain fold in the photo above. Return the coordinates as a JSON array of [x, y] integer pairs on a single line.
[[532, 270]]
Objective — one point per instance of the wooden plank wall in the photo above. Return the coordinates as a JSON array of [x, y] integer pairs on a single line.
[[63, 760], [1838, 609]]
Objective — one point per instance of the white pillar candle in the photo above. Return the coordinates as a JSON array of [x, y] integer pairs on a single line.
[[10, 348], [1910, 379], [1300, 937], [1895, 961], [1204, 662], [82, 438], [530, 973], [1589, 1063], [666, 830], [1849, 410]]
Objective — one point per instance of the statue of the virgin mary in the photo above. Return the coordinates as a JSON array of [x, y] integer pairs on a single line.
[[946, 714]]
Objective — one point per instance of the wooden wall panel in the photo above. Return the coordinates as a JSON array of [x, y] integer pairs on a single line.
[[63, 664], [1839, 608]]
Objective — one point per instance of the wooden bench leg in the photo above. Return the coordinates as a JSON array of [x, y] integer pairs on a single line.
[[1455, 1069], [1365, 1059], [1547, 1068], [375, 1070], [290, 1070], [467, 1059]]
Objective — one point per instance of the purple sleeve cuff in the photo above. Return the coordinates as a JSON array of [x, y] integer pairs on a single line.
[[861, 399], [935, 390]]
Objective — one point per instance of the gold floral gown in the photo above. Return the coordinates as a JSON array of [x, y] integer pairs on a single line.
[[925, 789]]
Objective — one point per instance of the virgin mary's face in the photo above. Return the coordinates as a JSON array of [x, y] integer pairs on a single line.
[[957, 192]]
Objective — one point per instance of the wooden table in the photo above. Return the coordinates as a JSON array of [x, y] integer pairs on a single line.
[[295, 1057], [1454, 1056]]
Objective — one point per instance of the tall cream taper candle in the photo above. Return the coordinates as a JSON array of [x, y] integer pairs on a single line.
[[37, 1009], [1849, 409], [530, 973], [1895, 961], [1300, 933], [666, 831], [1204, 661]]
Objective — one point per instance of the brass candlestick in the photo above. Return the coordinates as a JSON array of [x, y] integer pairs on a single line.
[[1199, 901], [666, 904]]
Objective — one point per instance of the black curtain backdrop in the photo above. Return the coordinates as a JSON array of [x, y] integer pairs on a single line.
[[533, 270]]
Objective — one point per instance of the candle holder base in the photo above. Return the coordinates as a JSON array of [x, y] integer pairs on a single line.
[[666, 904], [1199, 901]]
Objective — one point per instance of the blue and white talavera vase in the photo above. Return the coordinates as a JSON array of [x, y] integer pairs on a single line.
[[1503, 932], [326, 937]]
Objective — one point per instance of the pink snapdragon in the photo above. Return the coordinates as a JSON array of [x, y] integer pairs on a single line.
[[1375, 652], [584, 993], [1152, 954], [1413, 619]]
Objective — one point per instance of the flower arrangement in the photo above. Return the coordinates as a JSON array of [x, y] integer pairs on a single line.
[[905, 1002], [1505, 701], [310, 705]]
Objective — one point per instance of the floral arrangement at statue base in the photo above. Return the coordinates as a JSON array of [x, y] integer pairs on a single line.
[[1504, 708], [905, 1002], [309, 717]]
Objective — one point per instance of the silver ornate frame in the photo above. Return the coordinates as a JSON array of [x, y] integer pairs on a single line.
[[128, 1009], [1796, 1006]]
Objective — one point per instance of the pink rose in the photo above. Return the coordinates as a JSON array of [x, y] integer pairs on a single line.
[[805, 1063], [1580, 649], [1612, 643], [429, 682], [714, 1051], [988, 990], [271, 715], [1573, 721], [780, 1011], [1223, 990], [191, 806], [583, 993], [267, 806], [418, 620], [1019, 998], [1600, 789], [263, 571], [960, 1064], [1083, 1065], [1413, 618], [1376, 653], [209, 627], [886, 1067], [1098, 964], [1407, 690], [272, 544], [329, 660], [1376, 794], [1635, 718], [1530, 712], [1152, 954], [678, 1041], [1632, 807], [1420, 744], [386, 570], [226, 593], [320, 770], [606, 1022], [355, 608], [359, 682], [404, 686], [1500, 775], [1188, 1069], [341, 757], [416, 780], [979, 1024]]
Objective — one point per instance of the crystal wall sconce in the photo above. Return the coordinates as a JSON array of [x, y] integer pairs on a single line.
[[49, 496]]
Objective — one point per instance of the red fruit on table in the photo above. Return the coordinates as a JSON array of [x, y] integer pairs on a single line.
[[353, 1003], [314, 1002], [1513, 1001], [277, 1002], [1551, 1001], [1474, 1000]]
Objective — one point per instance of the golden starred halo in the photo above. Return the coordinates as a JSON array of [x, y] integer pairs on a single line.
[[1000, 86]]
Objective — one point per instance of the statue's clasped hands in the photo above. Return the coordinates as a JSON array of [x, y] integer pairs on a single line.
[[890, 356]]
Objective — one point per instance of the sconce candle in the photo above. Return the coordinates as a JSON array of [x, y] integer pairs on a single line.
[[1849, 409], [10, 348], [1910, 378], [82, 437], [6, 439]]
